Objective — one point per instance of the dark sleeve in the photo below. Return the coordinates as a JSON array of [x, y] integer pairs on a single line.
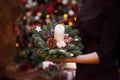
[[90, 9], [109, 35]]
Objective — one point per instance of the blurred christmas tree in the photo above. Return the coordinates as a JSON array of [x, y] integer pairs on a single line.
[[40, 12]]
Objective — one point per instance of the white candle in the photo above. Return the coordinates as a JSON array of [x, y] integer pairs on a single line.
[[59, 32]]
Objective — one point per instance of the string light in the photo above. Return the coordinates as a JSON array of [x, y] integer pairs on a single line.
[[47, 16], [17, 45], [39, 14], [75, 18], [24, 17], [70, 23], [65, 16], [37, 18]]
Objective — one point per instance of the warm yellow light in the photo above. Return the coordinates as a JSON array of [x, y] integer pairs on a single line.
[[24, 17], [17, 45], [39, 14], [65, 16], [47, 16], [23, 52], [75, 18], [70, 23], [41, 20], [56, 11]]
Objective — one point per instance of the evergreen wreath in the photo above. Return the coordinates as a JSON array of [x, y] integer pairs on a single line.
[[46, 46]]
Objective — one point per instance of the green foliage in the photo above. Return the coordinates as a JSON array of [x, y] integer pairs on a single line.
[[74, 32], [71, 31], [71, 49], [68, 29]]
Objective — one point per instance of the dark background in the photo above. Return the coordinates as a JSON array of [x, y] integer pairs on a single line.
[[9, 10]]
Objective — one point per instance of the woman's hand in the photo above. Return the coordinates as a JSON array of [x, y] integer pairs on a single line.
[[67, 59], [90, 58]]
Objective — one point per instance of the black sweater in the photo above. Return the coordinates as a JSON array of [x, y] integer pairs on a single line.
[[97, 22]]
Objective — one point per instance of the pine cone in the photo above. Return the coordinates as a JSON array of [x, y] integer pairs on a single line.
[[48, 34], [51, 43]]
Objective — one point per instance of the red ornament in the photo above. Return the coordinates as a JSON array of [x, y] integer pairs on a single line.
[[42, 6], [50, 9], [33, 24]]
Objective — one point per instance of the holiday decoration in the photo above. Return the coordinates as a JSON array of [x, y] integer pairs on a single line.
[[56, 46], [37, 14]]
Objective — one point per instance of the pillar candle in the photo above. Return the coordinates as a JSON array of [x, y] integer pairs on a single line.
[[59, 32]]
